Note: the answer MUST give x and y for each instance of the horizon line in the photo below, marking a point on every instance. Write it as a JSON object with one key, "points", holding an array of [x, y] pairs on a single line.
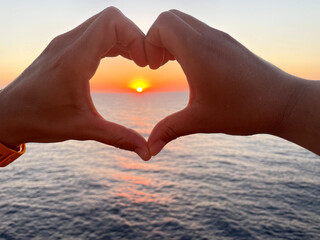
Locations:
{"points": [[134, 92]]}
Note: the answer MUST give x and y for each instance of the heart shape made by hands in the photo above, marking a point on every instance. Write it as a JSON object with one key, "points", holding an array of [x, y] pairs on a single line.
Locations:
{"points": [[55, 103]]}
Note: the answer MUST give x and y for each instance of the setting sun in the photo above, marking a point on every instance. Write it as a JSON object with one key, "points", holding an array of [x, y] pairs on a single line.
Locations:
{"points": [[139, 84], [139, 89]]}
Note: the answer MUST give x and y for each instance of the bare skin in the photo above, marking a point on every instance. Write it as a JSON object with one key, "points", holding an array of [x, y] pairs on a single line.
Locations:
{"points": [[232, 90], [51, 102]]}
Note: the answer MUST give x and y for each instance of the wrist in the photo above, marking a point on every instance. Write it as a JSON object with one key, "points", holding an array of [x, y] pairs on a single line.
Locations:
{"points": [[8, 136], [12, 144], [273, 100], [301, 119], [291, 98]]}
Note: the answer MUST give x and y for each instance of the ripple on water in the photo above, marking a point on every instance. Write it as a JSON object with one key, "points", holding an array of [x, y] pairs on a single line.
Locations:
{"points": [[199, 187]]}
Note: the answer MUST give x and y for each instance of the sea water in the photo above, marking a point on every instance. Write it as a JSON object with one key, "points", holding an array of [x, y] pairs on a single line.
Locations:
{"points": [[210, 186]]}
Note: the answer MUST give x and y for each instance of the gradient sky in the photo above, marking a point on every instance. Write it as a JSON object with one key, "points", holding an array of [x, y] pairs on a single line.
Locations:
{"points": [[286, 33]]}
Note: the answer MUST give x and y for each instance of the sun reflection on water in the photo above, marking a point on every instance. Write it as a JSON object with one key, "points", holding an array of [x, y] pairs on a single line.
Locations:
{"points": [[138, 188], [136, 180]]}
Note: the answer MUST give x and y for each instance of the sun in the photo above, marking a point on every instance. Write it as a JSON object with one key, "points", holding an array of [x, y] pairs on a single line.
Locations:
{"points": [[139, 84], [139, 89]]}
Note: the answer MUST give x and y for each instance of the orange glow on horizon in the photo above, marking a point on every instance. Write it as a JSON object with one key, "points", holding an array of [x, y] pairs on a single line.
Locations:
{"points": [[139, 84], [123, 76]]}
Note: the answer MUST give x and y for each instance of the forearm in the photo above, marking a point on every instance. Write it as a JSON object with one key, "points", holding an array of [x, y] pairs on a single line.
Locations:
{"points": [[301, 121]]}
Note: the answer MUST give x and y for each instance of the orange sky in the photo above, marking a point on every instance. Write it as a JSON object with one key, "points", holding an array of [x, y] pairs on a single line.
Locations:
{"points": [[118, 74]]}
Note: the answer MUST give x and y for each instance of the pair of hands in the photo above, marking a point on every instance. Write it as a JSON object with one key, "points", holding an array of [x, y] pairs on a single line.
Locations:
{"points": [[231, 90]]}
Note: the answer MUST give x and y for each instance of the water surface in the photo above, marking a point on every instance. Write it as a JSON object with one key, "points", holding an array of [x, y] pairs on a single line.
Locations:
{"points": [[199, 187]]}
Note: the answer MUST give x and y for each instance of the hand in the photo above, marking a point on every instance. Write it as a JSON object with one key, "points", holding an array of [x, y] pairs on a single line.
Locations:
{"points": [[51, 102], [232, 90]]}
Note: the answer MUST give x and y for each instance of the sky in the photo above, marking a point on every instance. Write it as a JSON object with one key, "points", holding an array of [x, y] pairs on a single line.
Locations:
{"points": [[285, 33]]}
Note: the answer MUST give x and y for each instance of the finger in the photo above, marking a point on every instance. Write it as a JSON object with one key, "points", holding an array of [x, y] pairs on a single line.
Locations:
{"points": [[171, 33], [108, 30], [160, 56], [118, 136], [168, 57], [155, 55], [115, 53], [174, 126], [125, 55]]}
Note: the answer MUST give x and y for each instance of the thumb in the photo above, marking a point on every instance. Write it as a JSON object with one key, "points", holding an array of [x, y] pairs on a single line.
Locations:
{"points": [[118, 136], [174, 126]]}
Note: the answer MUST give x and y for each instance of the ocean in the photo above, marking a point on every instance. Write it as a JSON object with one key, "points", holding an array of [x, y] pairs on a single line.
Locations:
{"points": [[203, 186]]}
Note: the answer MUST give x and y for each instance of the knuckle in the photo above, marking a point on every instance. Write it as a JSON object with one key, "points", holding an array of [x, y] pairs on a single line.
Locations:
{"points": [[169, 134], [111, 12], [227, 37], [56, 54], [57, 45], [175, 11], [56, 42], [164, 16], [111, 16], [61, 62], [121, 143], [164, 20]]}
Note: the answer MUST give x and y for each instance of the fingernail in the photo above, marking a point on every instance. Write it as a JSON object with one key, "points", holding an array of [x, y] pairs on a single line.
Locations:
{"points": [[156, 147], [143, 154]]}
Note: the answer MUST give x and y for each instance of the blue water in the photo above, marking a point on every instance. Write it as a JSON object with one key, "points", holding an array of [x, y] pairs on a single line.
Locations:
{"points": [[199, 187]]}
